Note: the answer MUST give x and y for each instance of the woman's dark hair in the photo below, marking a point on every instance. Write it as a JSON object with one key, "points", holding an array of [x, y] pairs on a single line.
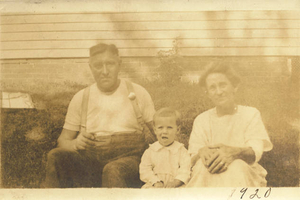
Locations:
{"points": [[232, 76]]}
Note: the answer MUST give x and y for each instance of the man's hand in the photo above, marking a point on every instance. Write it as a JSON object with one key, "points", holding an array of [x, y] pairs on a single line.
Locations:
{"points": [[206, 154], [222, 157], [174, 184], [158, 185], [84, 140]]}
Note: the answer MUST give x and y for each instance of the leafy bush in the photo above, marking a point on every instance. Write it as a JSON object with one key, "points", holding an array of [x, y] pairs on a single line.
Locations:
{"points": [[170, 69]]}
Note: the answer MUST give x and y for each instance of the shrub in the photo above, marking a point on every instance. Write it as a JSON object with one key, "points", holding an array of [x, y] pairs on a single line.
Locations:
{"points": [[170, 69]]}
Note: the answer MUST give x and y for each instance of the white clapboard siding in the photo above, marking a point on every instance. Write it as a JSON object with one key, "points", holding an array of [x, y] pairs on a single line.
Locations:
{"points": [[30, 18], [285, 51], [145, 52], [110, 35], [160, 43], [136, 26], [203, 33]]}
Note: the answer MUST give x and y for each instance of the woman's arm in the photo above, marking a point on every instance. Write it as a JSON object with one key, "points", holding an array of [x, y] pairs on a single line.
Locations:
{"points": [[194, 159], [225, 155], [205, 154], [198, 140]]}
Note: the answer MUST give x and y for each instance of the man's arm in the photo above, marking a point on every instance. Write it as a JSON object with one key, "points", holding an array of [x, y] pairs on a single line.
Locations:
{"points": [[69, 140], [150, 126], [151, 129]]}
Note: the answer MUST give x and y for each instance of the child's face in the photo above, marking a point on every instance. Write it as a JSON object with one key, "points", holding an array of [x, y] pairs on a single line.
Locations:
{"points": [[166, 130]]}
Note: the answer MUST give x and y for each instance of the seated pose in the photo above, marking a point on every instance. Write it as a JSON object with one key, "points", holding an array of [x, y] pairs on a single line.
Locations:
{"points": [[228, 140], [102, 140], [166, 163]]}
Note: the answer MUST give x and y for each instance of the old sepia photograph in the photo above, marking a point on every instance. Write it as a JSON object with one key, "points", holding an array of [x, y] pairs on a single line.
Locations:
{"points": [[150, 98]]}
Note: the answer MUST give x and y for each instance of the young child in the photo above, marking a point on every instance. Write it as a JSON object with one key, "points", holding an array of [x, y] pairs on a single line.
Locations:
{"points": [[166, 163]]}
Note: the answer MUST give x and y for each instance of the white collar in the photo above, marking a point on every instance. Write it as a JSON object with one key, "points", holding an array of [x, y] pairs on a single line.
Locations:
{"points": [[174, 148]]}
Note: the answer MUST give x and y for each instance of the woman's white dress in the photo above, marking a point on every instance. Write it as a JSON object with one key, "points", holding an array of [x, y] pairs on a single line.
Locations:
{"points": [[242, 129]]}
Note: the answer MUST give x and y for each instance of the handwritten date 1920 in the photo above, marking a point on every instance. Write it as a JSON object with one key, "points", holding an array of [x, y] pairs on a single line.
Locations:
{"points": [[255, 194]]}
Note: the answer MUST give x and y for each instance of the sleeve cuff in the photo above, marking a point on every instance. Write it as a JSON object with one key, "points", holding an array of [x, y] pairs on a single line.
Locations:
{"points": [[71, 127], [257, 147], [183, 177]]}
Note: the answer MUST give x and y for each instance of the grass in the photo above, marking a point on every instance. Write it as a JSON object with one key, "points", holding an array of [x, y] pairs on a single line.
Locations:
{"points": [[27, 135]]}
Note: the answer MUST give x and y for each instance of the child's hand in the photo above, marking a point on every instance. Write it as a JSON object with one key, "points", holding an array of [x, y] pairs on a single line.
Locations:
{"points": [[158, 185], [174, 184]]}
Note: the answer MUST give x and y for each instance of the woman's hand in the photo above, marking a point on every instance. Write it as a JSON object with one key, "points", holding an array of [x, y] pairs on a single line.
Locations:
{"points": [[206, 154], [225, 155], [222, 158], [84, 140]]}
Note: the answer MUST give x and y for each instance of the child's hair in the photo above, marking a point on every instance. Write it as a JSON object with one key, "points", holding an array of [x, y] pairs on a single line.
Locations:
{"points": [[168, 112]]}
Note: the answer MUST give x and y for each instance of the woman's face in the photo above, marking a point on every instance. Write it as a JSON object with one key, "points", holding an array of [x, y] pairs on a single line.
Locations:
{"points": [[220, 90]]}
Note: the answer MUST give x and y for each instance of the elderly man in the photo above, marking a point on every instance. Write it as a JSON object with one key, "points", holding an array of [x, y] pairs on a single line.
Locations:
{"points": [[102, 115]]}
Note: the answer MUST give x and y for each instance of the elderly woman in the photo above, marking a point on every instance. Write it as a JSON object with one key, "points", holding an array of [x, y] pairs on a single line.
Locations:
{"points": [[228, 140]]}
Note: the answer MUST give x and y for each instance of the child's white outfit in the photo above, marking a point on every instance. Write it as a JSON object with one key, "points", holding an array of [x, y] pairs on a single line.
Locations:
{"points": [[160, 163]]}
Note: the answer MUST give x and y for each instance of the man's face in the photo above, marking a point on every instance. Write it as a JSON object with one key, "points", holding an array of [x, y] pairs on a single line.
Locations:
{"points": [[166, 130], [105, 68], [220, 90]]}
